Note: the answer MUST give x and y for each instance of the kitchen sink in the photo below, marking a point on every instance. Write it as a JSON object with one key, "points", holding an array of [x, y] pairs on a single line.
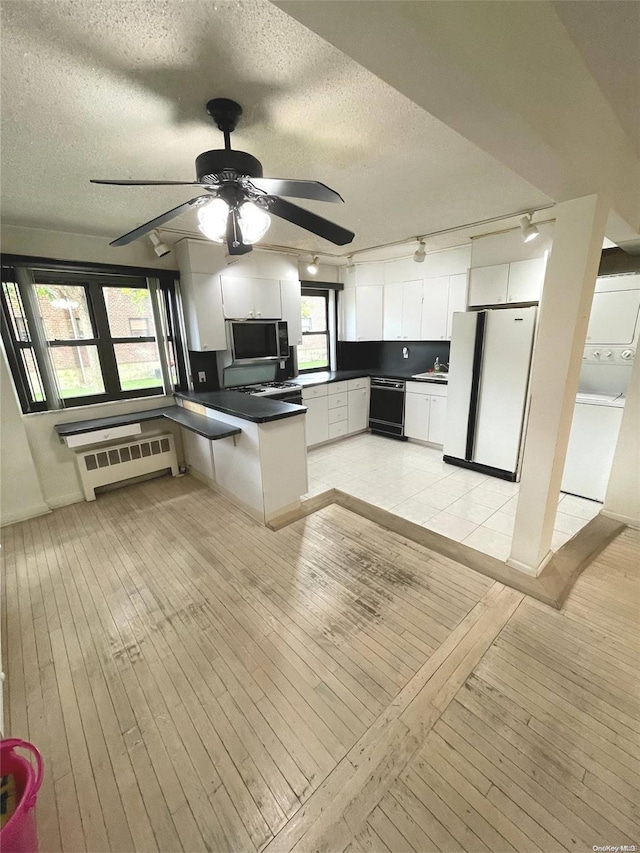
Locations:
{"points": [[436, 376]]}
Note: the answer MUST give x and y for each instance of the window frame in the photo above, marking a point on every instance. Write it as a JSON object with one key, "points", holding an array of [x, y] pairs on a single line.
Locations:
{"points": [[93, 279], [324, 292]]}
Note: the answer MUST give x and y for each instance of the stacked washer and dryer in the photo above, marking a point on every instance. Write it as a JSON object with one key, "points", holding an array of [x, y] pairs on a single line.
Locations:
{"points": [[612, 340]]}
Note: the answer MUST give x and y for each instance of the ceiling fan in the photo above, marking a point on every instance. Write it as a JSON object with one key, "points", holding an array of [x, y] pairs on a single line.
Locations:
{"points": [[238, 201]]}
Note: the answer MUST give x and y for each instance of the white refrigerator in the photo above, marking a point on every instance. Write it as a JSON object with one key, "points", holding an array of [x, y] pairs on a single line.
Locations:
{"points": [[489, 369]]}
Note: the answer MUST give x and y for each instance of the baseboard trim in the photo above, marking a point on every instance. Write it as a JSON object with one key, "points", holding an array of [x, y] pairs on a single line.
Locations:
{"points": [[24, 515], [623, 519]]}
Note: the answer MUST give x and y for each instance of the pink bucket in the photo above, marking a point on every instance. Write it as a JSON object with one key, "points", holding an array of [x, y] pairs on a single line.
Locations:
{"points": [[19, 834]]}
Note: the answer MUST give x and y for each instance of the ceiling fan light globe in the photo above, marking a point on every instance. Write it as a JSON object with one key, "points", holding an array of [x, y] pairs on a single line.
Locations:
{"points": [[212, 219], [254, 222]]}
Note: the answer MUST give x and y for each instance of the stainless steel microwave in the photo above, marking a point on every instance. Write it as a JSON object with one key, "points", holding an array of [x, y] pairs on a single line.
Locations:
{"points": [[257, 340]]}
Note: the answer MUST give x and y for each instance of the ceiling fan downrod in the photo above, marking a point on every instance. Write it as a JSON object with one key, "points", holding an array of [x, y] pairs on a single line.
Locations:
{"points": [[226, 114]]}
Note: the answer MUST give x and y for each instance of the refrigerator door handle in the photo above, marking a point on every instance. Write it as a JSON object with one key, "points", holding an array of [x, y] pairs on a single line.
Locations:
{"points": [[475, 385]]}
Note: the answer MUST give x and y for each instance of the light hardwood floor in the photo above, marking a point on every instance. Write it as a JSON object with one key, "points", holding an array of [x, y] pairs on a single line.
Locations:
{"points": [[198, 682]]}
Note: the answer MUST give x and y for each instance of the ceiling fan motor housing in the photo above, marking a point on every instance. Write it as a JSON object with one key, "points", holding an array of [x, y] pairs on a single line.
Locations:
{"points": [[211, 164]]}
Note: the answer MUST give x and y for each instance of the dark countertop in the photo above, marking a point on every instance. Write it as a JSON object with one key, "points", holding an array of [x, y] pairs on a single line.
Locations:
{"points": [[260, 410], [207, 427], [309, 379]]}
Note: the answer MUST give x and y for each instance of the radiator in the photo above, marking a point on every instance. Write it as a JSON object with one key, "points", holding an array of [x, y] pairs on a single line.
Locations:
{"points": [[116, 462]]}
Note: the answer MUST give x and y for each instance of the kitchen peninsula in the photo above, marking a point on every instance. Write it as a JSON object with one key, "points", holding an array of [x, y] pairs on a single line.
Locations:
{"points": [[253, 453]]}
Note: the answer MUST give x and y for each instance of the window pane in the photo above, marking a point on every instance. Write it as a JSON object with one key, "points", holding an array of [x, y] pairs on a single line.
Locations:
{"points": [[138, 366], [314, 313], [77, 370], [32, 373], [313, 352], [17, 317], [64, 311], [129, 312]]}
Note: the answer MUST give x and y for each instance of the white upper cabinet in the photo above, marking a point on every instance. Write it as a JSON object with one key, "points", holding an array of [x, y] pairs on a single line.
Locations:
{"points": [[392, 327], [526, 279], [402, 311], [361, 313], [251, 298], [457, 299], [411, 310], [292, 309], [614, 316], [369, 313], [434, 308], [488, 285], [202, 305]]}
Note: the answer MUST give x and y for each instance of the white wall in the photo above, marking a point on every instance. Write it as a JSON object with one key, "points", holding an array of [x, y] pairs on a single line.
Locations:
{"points": [[20, 493], [623, 493], [62, 245], [38, 471]]}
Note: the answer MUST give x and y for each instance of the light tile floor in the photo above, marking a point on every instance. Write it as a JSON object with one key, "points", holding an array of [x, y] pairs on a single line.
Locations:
{"points": [[412, 481]]}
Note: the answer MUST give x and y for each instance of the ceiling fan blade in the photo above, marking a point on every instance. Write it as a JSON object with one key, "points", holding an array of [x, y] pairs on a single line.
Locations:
{"points": [[155, 223], [310, 221], [297, 189], [235, 244], [152, 183]]}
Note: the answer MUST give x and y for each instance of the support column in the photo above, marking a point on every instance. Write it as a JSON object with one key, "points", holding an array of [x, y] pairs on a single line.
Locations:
{"points": [[623, 492], [562, 328]]}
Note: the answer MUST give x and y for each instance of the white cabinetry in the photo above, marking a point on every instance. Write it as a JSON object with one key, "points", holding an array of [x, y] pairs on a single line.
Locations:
{"points": [[402, 311], [251, 298], [519, 281], [457, 299], [336, 409], [362, 313], [361, 302], [434, 309], [202, 304], [526, 279], [358, 395], [614, 316], [488, 285], [317, 420], [425, 412], [291, 310]]}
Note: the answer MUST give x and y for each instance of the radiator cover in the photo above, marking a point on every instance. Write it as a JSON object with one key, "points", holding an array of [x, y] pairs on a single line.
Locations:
{"points": [[117, 462]]}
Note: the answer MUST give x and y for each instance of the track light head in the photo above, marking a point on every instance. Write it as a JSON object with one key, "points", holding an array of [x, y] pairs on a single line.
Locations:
{"points": [[420, 253], [312, 268], [529, 230], [161, 249]]}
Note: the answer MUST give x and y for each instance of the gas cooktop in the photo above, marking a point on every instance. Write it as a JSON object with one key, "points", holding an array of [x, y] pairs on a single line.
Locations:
{"points": [[268, 389]]}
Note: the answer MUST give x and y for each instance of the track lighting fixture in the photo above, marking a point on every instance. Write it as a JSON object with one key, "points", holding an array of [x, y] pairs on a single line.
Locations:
{"points": [[161, 249], [312, 268], [529, 230], [420, 253]]}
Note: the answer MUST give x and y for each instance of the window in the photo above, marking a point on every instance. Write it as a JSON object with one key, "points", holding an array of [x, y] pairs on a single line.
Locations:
{"points": [[95, 336], [313, 353]]}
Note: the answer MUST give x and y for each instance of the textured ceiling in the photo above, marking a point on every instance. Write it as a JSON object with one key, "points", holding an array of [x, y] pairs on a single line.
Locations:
{"points": [[100, 89], [607, 34]]}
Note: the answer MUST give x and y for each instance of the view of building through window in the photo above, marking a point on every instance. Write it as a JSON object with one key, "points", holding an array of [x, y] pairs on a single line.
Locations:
{"points": [[66, 319], [313, 353]]}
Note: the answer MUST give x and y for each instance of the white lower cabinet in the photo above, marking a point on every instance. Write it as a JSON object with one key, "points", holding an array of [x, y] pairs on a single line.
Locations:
{"points": [[416, 416], [358, 409], [317, 420], [425, 408], [437, 419], [336, 409]]}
